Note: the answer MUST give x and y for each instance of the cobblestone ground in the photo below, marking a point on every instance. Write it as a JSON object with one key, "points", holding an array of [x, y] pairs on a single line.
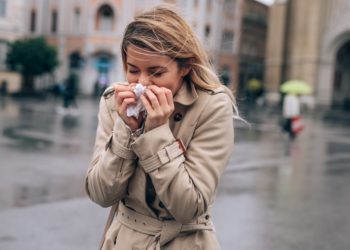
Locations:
{"points": [[275, 194]]}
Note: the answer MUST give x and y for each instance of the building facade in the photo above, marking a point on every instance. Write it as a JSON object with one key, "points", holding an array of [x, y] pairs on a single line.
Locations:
{"points": [[11, 25], [253, 43], [88, 35], [310, 41], [229, 42], [11, 28], [242, 42]]}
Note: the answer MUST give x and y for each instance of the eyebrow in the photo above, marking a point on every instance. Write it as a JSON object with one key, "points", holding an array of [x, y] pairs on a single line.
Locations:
{"points": [[152, 67]]}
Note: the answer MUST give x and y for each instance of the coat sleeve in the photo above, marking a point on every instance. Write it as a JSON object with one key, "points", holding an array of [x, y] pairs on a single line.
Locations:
{"points": [[186, 184], [113, 162]]}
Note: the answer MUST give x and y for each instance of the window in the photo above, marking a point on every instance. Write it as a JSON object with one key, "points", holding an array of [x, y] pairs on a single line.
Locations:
{"points": [[76, 20], [105, 18], [54, 16], [227, 41], [103, 65], [249, 48], [103, 62], [32, 21], [75, 60], [2, 8]]}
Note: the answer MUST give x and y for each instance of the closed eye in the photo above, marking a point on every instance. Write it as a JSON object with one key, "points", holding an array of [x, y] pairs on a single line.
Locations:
{"points": [[157, 74]]}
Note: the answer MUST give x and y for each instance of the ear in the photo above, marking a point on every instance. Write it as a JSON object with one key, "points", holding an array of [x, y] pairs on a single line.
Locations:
{"points": [[185, 70]]}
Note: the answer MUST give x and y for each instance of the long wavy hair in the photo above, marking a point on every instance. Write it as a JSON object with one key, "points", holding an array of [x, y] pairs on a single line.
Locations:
{"points": [[163, 31]]}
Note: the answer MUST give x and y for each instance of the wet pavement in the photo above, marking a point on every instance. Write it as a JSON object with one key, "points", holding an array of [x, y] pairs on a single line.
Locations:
{"points": [[275, 194]]}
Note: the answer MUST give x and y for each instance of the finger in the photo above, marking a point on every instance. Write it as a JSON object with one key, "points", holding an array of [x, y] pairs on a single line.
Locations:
{"points": [[126, 94], [120, 96], [160, 93], [146, 103], [170, 98], [132, 86], [152, 99], [122, 87], [126, 102]]}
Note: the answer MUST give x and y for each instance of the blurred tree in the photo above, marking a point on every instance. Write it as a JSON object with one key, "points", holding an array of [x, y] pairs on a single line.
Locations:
{"points": [[31, 57]]}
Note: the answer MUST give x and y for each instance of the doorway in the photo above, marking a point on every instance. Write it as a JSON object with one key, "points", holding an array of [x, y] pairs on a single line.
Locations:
{"points": [[341, 83]]}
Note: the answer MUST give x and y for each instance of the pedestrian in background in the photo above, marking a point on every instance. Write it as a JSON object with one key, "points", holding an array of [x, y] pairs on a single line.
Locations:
{"points": [[57, 90], [292, 122], [160, 170], [70, 92], [3, 88]]}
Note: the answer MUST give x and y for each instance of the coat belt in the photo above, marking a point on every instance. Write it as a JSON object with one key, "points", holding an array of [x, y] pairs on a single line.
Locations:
{"points": [[162, 230]]}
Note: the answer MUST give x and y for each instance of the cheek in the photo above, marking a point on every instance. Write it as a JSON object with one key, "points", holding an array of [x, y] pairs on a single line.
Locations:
{"points": [[172, 82], [131, 78], [166, 83], [172, 85]]}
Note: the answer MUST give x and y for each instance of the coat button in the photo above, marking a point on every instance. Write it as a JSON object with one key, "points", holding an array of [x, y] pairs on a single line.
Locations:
{"points": [[207, 217], [178, 117]]}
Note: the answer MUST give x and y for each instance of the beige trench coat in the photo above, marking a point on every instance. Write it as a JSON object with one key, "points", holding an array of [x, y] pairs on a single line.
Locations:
{"points": [[152, 177]]}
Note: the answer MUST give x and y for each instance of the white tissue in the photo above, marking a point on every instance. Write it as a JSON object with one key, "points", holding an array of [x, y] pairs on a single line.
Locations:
{"points": [[134, 110]]}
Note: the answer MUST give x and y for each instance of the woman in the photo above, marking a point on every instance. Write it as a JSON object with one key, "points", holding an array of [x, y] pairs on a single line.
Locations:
{"points": [[163, 167]]}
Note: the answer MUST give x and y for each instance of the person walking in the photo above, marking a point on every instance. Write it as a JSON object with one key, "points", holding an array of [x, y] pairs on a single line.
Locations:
{"points": [[70, 92], [291, 115], [159, 170]]}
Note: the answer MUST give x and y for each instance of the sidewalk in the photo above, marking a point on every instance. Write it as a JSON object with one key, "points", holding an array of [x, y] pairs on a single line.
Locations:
{"points": [[69, 225], [77, 224], [274, 195]]}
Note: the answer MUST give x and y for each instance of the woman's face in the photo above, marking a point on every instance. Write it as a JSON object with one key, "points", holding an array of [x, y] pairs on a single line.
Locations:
{"points": [[149, 68]]}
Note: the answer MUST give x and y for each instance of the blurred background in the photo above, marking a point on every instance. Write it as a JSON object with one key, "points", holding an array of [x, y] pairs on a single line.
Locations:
{"points": [[281, 190]]}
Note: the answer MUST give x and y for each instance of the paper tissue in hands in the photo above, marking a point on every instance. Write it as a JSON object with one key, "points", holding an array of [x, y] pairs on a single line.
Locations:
{"points": [[134, 110]]}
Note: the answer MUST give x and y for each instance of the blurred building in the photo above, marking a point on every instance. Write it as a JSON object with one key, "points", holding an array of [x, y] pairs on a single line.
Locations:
{"points": [[253, 43], [88, 33], [229, 39], [11, 28], [310, 40]]}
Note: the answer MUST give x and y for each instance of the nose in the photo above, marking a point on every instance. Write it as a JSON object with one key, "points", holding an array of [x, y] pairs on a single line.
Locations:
{"points": [[145, 79]]}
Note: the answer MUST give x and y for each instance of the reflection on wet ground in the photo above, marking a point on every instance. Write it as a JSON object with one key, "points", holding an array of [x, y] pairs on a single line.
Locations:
{"points": [[287, 195], [43, 154], [280, 191]]}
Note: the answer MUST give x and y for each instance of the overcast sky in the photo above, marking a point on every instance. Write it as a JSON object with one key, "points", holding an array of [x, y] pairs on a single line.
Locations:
{"points": [[266, 1]]}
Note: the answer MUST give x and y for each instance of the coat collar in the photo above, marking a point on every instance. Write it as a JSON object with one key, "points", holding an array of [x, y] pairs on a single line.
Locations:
{"points": [[187, 94]]}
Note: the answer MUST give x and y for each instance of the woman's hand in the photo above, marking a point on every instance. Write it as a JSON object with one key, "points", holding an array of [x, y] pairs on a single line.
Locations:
{"points": [[159, 104], [124, 96]]}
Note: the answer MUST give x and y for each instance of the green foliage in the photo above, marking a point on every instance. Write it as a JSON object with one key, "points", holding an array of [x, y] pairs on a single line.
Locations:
{"points": [[32, 57]]}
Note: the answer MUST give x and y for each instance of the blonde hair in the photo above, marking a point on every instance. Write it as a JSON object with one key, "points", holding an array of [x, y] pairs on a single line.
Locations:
{"points": [[163, 31]]}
